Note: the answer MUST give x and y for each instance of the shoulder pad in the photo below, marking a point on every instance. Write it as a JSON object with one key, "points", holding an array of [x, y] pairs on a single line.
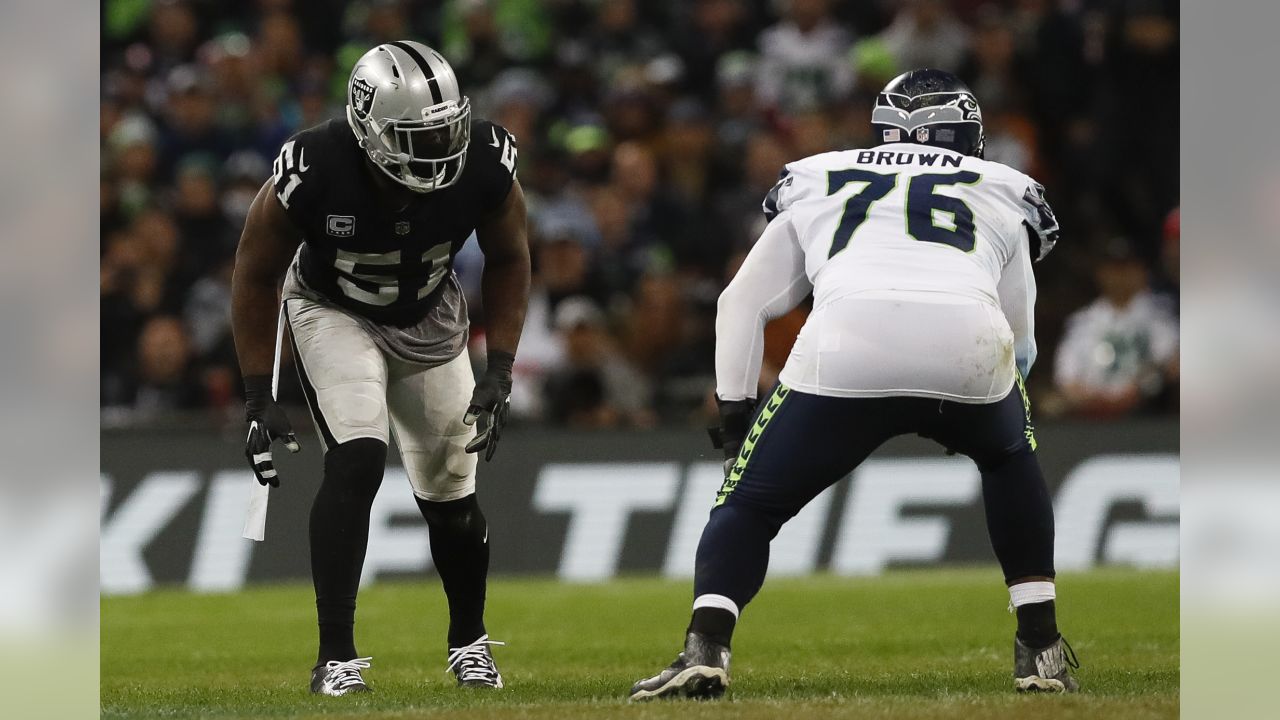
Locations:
{"points": [[289, 170], [775, 202], [1040, 222], [499, 145]]}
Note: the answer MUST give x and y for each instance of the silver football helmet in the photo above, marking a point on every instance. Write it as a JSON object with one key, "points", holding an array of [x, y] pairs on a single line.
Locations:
{"points": [[405, 108]]}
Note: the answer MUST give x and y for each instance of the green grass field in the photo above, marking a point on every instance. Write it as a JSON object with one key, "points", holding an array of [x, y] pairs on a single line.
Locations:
{"points": [[926, 644]]}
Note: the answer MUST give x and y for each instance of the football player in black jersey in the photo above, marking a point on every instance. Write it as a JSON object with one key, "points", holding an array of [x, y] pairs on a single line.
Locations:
{"points": [[362, 231]]}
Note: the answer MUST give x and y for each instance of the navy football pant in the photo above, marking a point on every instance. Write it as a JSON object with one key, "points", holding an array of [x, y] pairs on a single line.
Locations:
{"points": [[800, 444]]}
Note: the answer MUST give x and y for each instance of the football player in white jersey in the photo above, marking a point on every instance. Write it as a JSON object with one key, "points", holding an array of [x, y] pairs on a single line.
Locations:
{"points": [[918, 254]]}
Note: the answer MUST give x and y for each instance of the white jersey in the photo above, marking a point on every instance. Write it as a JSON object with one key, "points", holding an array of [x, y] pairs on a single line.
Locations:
{"points": [[919, 260]]}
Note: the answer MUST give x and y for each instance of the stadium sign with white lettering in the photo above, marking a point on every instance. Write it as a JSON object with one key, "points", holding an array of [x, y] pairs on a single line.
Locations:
{"points": [[587, 506]]}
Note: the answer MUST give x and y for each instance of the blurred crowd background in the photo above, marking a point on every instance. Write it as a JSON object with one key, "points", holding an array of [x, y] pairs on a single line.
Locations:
{"points": [[649, 134]]}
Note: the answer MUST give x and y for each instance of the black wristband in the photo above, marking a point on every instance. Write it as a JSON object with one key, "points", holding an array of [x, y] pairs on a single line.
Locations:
{"points": [[257, 393], [735, 415], [498, 363], [257, 385]]}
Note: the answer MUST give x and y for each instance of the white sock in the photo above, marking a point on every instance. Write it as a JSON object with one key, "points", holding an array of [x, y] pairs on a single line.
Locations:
{"points": [[716, 601], [1031, 592]]}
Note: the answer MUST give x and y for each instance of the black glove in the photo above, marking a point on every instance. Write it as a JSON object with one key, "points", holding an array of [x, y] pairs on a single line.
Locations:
{"points": [[267, 422], [490, 403], [735, 422]]}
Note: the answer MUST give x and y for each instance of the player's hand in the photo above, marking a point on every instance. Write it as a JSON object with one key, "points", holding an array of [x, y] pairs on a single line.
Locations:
{"points": [[735, 421], [267, 423], [490, 404]]}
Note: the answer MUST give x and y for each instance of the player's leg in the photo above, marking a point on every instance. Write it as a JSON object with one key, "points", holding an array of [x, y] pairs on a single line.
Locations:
{"points": [[427, 407], [799, 445], [344, 378], [1000, 438]]}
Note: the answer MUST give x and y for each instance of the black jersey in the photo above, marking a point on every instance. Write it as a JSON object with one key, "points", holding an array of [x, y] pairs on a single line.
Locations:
{"points": [[362, 252]]}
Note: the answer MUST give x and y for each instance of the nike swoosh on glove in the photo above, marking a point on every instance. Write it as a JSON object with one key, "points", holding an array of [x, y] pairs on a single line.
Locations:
{"points": [[267, 423], [490, 404]]}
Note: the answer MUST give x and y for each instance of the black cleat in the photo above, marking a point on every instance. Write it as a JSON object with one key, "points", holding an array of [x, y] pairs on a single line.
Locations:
{"points": [[700, 672], [473, 664], [1045, 670], [336, 678]]}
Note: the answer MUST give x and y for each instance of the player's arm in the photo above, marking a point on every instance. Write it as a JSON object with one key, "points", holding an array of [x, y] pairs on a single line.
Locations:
{"points": [[266, 248], [1017, 291], [770, 283], [504, 288]]}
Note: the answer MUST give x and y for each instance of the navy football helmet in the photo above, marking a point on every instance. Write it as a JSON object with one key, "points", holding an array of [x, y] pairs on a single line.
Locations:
{"points": [[930, 107]]}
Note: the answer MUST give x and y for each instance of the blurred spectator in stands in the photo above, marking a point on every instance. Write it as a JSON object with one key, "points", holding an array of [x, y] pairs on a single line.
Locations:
{"points": [[652, 330], [803, 59], [235, 80], [207, 237], [173, 32], [925, 34], [632, 110], [738, 208], [713, 28], [563, 256], [556, 203], [157, 287], [1120, 352], [589, 150], [812, 133], [243, 175], [191, 114], [130, 154], [620, 37], [596, 387], [659, 222], [735, 115], [207, 313], [516, 100], [686, 150], [990, 68], [488, 35], [165, 380], [1142, 48]]}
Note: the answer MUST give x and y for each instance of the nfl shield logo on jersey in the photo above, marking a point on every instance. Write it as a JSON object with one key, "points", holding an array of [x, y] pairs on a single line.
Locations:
{"points": [[402, 227], [922, 135]]}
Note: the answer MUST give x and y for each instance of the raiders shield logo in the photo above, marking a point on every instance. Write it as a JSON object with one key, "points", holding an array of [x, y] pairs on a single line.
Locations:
{"points": [[362, 93], [922, 135], [402, 227]]}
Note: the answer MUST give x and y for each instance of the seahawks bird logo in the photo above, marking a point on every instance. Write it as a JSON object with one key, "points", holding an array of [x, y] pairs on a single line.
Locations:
{"points": [[362, 92]]}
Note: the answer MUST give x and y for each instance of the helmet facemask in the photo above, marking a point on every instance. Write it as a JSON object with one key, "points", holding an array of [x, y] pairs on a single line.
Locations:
{"points": [[422, 155]]}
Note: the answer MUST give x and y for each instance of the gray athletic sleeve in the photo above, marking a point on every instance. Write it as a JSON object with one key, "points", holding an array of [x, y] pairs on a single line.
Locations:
{"points": [[770, 282]]}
